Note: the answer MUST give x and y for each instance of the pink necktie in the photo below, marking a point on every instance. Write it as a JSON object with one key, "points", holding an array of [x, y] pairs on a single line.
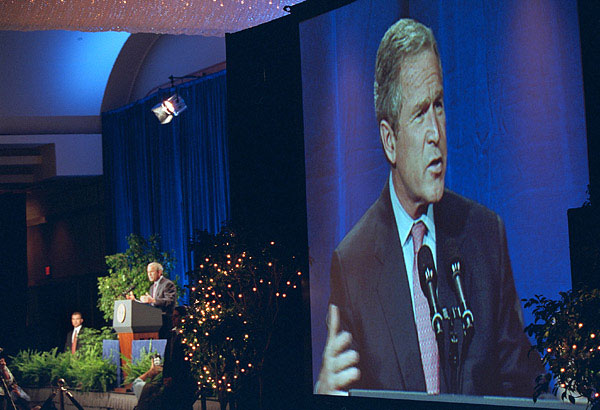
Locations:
{"points": [[427, 342]]}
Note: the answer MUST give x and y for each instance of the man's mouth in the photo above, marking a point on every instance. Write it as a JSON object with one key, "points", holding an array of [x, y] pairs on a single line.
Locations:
{"points": [[436, 165]]}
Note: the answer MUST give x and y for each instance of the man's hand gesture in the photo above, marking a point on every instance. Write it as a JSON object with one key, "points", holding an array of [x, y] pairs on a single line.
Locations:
{"points": [[338, 369]]}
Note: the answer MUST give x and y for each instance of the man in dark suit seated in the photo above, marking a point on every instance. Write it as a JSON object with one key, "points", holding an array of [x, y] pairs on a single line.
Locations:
{"points": [[380, 333]]}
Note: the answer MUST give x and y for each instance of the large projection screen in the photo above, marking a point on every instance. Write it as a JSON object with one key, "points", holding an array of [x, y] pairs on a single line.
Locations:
{"points": [[514, 118]]}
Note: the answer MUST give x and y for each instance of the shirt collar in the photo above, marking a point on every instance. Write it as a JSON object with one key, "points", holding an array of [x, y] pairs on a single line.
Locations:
{"points": [[404, 221], [77, 329]]}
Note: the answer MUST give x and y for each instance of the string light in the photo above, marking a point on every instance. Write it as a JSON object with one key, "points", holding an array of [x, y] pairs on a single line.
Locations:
{"points": [[242, 292]]}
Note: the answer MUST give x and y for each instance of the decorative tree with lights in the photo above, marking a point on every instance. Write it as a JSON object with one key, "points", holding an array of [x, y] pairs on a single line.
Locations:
{"points": [[236, 288], [567, 335]]}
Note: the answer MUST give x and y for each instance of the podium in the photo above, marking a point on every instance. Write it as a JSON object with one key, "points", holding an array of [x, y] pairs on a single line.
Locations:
{"points": [[133, 320]]}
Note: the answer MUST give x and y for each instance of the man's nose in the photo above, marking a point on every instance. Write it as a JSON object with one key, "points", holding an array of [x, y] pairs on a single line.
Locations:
{"points": [[433, 127]]}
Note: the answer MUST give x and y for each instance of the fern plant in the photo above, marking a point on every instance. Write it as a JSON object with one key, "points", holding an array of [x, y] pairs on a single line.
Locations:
{"points": [[91, 372], [86, 370], [35, 368]]}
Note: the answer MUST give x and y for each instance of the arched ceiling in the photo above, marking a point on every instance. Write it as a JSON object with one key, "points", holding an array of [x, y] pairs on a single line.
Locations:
{"points": [[191, 17]]}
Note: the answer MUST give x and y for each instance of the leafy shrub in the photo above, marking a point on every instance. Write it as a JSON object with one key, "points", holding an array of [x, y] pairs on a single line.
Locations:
{"points": [[90, 338], [566, 334]]}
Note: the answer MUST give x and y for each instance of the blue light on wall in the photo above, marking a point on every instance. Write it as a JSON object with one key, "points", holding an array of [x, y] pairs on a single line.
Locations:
{"points": [[53, 73]]}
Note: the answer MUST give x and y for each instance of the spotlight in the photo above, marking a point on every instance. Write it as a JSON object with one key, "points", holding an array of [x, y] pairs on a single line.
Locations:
{"points": [[169, 108]]}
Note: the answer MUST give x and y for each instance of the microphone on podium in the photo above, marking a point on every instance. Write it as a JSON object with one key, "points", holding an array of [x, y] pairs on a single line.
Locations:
{"points": [[455, 274], [428, 279], [131, 288]]}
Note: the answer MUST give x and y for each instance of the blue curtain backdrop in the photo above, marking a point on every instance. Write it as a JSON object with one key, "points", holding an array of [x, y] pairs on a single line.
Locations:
{"points": [[515, 127], [168, 179]]}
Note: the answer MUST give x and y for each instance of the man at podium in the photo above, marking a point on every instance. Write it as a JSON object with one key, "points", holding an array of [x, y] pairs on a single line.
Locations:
{"points": [[162, 294]]}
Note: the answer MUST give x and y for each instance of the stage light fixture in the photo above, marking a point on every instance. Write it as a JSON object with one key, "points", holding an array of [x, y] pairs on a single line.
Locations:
{"points": [[174, 105], [169, 108]]}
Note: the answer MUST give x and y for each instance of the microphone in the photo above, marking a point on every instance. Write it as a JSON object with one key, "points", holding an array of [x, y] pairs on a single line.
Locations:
{"points": [[131, 288], [454, 277], [428, 279]]}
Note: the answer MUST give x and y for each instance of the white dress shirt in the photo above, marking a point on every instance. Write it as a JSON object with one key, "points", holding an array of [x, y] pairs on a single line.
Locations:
{"points": [[75, 333]]}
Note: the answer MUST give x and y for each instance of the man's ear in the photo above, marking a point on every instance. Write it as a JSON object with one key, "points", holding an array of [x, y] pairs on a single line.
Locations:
{"points": [[388, 141]]}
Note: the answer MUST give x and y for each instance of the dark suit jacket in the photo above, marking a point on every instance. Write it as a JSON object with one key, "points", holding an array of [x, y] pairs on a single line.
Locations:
{"points": [[166, 299], [68, 341], [369, 285], [166, 295]]}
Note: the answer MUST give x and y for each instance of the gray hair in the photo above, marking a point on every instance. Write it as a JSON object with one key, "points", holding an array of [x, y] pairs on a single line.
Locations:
{"points": [[404, 38], [156, 265]]}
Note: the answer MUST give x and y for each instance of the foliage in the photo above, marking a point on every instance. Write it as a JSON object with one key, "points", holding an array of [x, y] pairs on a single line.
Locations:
{"points": [[136, 368], [567, 335], [89, 371], [86, 370], [34, 368], [90, 338], [129, 269], [235, 294]]}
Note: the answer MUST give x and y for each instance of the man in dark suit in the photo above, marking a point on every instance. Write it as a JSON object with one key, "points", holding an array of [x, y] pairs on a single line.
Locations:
{"points": [[72, 342], [379, 325], [162, 294]]}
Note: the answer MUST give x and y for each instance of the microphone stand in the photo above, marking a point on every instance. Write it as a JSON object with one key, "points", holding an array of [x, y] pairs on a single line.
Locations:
{"points": [[468, 332], [453, 355]]}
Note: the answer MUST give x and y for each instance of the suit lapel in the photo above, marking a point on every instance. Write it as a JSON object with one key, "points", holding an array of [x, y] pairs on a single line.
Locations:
{"points": [[395, 300]]}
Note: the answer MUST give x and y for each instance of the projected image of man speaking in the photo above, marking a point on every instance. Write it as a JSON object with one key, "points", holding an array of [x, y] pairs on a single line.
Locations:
{"points": [[422, 252]]}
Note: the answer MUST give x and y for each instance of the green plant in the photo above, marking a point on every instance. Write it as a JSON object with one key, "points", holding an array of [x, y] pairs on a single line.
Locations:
{"points": [[567, 335], [89, 371], [90, 338], [86, 370], [35, 368], [138, 367], [129, 269]]}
